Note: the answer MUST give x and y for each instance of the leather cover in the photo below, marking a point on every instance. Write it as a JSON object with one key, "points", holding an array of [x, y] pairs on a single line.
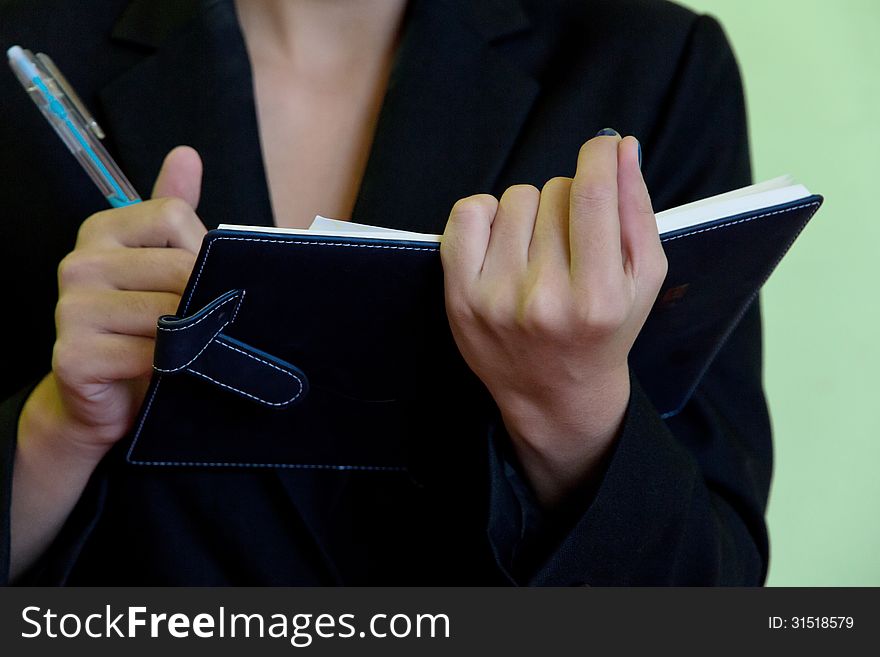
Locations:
{"points": [[303, 352], [715, 272], [330, 352]]}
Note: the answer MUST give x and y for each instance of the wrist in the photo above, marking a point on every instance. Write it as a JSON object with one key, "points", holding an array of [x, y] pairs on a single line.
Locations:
{"points": [[53, 462], [562, 442], [45, 428]]}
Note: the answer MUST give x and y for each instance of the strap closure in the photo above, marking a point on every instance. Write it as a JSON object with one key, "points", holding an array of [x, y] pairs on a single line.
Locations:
{"points": [[196, 345]]}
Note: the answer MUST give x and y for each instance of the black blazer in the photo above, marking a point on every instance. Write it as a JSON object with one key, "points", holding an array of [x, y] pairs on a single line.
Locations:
{"points": [[482, 95]]}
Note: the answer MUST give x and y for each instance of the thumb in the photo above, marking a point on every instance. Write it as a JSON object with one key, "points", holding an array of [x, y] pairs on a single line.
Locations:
{"points": [[180, 176]]}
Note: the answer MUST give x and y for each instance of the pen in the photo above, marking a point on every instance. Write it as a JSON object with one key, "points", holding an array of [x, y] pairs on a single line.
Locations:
{"points": [[77, 128]]}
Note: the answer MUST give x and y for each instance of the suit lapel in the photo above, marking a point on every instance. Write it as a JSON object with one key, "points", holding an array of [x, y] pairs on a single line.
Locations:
{"points": [[195, 89], [451, 115]]}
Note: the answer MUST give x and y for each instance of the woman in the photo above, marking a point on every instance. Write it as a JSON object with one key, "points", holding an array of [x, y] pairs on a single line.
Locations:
{"points": [[390, 113]]}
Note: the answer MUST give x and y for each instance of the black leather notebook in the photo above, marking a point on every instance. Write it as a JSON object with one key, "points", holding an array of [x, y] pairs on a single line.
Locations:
{"points": [[329, 350]]}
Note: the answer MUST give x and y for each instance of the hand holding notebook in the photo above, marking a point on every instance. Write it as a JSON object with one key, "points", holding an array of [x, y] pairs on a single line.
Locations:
{"points": [[546, 292], [274, 366]]}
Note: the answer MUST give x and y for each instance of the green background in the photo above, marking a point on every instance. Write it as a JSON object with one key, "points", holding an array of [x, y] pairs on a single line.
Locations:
{"points": [[812, 76]]}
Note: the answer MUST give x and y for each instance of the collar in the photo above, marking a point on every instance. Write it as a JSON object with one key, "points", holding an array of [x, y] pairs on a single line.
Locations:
{"points": [[451, 116], [149, 23]]}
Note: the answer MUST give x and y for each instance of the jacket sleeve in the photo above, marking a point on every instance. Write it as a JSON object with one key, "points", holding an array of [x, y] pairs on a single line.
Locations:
{"points": [[10, 409], [682, 500]]}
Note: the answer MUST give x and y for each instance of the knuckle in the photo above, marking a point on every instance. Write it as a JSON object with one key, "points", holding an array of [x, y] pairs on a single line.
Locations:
{"points": [[73, 310], [174, 207], [174, 214], [496, 318], [491, 308], [61, 313], [67, 361], [602, 314], [93, 226], [74, 267], [68, 310], [458, 309], [591, 194], [542, 314]]}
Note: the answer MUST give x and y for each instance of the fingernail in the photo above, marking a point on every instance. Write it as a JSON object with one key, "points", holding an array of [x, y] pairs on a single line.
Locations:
{"points": [[608, 132], [640, 152]]}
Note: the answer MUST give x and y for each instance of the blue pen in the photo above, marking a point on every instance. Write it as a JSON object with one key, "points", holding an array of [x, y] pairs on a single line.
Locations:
{"points": [[71, 120]]}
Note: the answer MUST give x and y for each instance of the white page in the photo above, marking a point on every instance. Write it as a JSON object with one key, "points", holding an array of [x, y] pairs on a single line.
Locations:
{"points": [[321, 226], [335, 226], [762, 195]]}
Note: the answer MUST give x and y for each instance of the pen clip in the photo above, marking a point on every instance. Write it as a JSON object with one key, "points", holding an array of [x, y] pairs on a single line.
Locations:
{"points": [[64, 87], [74, 124]]}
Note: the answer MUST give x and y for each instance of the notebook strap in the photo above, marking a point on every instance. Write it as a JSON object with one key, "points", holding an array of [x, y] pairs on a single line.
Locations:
{"points": [[197, 345]]}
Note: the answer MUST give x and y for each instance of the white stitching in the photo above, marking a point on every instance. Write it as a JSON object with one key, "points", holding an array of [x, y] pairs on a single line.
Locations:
{"points": [[298, 466], [375, 467], [237, 307], [213, 337], [220, 464], [259, 360], [742, 221], [247, 394], [294, 243], [137, 433], [236, 298], [194, 358]]}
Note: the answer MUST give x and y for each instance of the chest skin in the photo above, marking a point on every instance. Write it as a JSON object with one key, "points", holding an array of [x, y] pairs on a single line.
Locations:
{"points": [[316, 127], [315, 144]]}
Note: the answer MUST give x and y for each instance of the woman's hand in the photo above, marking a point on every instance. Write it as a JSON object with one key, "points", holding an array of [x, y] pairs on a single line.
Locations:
{"points": [[546, 292], [129, 266]]}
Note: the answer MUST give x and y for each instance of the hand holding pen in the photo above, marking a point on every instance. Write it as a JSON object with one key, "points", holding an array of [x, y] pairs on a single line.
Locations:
{"points": [[129, 266]]}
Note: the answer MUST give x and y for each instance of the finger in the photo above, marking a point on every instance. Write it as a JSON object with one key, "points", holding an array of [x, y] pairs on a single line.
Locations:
{"points": [[466, 238], [594, 226], [180, 176], [550, 238], [113, 311], [102, 358], [148, 269], [638, 225], [165, 222], [512, 228]]}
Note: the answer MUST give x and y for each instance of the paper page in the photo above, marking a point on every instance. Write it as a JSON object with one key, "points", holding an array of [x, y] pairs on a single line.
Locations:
{"points": [[334, 226], [728, 205], [762, 195]]}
